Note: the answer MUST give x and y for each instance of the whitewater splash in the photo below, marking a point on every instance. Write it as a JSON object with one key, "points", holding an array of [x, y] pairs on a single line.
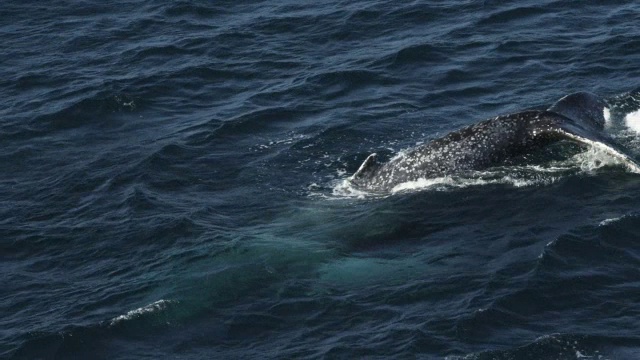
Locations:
{"points": [[152, 308], [632, 121]]}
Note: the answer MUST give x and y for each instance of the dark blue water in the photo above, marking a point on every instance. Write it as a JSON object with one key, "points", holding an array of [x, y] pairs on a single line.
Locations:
{"points": [[172, 182]]}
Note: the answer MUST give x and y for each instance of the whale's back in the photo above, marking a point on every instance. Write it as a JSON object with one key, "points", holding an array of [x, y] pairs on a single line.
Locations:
{"points": [[577, 117], [582, 108]]}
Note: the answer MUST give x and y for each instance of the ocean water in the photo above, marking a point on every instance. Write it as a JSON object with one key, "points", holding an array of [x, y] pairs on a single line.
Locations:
{"points": [[173, 182]]}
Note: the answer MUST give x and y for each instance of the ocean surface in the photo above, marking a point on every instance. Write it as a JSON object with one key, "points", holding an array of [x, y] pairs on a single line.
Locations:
{"points": [[173, 181]]}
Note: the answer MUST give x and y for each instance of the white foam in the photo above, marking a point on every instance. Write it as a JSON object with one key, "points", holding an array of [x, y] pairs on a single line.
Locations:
{"points": [[490, 177], [632, 121], [148, 309], [610, 221], [422, 184], [345, 189], [438, 183], [600, 154], [286, 141]]}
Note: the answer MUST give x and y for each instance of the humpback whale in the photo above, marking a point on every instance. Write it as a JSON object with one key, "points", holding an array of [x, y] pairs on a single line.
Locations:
{"points": [[578, 117]]}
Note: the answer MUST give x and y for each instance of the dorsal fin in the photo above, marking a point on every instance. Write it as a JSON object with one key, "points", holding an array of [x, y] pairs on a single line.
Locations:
{"points": [[368, 167], [581, 107]]}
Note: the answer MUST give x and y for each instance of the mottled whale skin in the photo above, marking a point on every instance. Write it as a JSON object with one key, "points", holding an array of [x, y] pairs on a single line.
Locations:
{"points": [[578, 117]]}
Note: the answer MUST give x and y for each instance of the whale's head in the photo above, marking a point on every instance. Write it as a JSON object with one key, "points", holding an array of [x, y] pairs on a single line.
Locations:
{"points": [[583, 108]]}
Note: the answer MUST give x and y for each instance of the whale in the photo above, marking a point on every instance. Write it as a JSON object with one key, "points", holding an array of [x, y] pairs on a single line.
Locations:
{"points": [[577, 117]]}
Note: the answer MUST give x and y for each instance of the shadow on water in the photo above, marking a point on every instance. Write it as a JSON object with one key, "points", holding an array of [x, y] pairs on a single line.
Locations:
{"points": [[325, 260]]}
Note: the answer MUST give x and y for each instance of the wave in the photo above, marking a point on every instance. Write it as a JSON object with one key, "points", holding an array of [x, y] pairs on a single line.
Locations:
{"points": [[84, 341], [555, 346], [519, 14], [101, 111], [143, 312]]}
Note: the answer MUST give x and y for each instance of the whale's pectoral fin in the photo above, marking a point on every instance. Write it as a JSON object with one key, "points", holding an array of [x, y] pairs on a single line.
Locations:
{"points": [[367, 168], [600, 143]]}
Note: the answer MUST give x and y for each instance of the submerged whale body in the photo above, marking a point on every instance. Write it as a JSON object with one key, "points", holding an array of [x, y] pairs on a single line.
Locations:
{"points": [[577, 117]]}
